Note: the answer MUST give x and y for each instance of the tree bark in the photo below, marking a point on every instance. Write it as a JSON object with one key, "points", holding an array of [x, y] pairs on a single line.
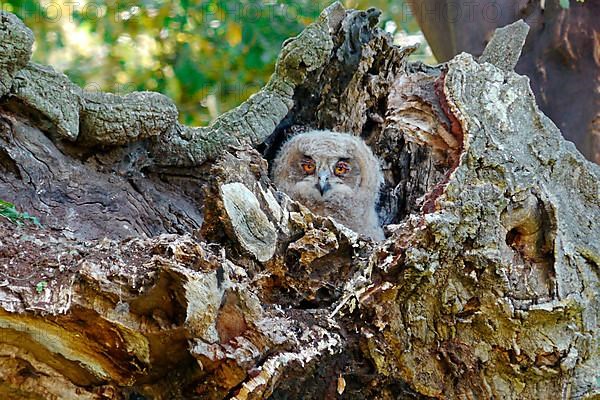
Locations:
{"points": [[560, 55], [169, 267]]}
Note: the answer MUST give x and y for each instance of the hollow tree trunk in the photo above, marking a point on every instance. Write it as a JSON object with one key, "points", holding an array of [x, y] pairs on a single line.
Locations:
{"points": [[168, 266]]}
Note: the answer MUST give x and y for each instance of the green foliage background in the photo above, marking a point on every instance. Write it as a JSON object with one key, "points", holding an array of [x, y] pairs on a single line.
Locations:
{"points": [[208, 56]]}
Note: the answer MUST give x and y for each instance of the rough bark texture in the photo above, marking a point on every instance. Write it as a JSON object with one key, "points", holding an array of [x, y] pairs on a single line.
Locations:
{"points": [[168, 265], [561, 55]]}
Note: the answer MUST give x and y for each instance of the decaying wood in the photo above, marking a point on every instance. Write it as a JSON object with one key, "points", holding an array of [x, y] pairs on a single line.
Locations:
{"points": [[169, 266], [560, 55]]}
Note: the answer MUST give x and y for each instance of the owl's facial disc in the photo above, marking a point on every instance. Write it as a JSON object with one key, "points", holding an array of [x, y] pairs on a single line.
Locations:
{"points": [[326, 173], [309, 167]]}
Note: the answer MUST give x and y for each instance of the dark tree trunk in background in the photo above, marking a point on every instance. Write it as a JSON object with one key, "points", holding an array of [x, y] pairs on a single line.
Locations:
{"points": [[561, 55], [169, 266]]}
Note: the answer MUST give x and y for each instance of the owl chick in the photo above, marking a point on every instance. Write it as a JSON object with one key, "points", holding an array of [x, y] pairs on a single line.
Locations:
{"points": [[333, 174]]}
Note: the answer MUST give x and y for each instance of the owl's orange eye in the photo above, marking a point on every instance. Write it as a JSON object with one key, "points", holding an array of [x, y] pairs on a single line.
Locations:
{"points": [[341, 168], [308, 166]]}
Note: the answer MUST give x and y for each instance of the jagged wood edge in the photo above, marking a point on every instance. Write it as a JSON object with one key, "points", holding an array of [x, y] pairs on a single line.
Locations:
{"points": [[93, 118], [516, 174]]}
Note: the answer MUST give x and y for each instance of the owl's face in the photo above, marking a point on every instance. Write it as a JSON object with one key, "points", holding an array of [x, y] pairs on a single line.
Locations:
{"points": [[327, 170], [324, 177], [335, 175]]}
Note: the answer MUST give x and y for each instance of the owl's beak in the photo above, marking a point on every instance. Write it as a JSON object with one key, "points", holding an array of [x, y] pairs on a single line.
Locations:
{"points": [[323, 184]]}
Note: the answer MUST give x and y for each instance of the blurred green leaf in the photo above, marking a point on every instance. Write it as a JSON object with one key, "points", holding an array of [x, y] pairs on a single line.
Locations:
{"points": [[41, 285], [9, 211]]}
